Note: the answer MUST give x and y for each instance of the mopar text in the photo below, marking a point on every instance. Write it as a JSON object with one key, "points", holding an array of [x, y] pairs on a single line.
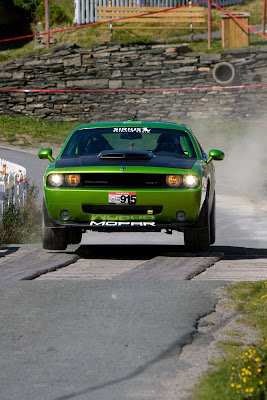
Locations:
{"points": [[121, 223]]}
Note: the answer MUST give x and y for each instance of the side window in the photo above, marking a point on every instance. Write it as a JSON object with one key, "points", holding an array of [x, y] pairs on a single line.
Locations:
{"points": [[202, 152], [187, 146], [77, 144], [183, 145]]}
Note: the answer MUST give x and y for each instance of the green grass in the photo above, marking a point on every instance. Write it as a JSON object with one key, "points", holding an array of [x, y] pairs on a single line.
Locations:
{"points": [[234, 333], [67, 5], [253, 7], [241, 374], [29, 131], [25, 50]]}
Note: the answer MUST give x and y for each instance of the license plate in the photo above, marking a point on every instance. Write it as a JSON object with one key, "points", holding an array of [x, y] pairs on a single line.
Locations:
{"points": [[122, 198]]}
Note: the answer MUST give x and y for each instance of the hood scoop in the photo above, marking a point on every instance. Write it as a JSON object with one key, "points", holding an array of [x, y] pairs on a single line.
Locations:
{"points": [[126, 155]]}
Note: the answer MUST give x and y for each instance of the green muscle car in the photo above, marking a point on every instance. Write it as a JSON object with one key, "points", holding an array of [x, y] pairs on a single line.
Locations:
{"points": [[129, 176]]}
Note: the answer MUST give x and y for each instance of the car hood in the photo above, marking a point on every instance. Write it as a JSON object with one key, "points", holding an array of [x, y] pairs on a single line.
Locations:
{"points": [[94, 160]]}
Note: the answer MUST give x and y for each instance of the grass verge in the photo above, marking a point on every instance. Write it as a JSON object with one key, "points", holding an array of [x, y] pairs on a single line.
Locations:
{"points": [[241, 374], [28, 131], [22, 225]]}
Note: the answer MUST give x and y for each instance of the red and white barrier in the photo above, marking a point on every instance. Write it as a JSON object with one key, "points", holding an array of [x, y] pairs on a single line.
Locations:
{"points": [[12, 187]]}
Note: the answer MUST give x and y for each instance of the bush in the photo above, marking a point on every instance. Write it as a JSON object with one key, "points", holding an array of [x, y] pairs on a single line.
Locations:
{"points": [[57, 15], [22, 225]]}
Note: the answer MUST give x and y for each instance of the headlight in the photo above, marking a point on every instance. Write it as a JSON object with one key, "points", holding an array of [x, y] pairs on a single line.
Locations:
{"points": [[55, 180], [72, 179], [190, 181], [173, 180]]}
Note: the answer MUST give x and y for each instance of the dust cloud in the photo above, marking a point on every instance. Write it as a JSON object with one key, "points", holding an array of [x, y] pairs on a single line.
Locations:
{"points": [[244, 169]]}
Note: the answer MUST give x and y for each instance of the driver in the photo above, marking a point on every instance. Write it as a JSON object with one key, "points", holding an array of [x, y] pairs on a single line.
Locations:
{"points": [[97, 143], [169, 143]]}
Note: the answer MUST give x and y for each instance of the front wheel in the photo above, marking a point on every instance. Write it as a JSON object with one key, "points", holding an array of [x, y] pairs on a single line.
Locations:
{"points": [[53, 238], [199, 239], [75, 236], [212, 223]]}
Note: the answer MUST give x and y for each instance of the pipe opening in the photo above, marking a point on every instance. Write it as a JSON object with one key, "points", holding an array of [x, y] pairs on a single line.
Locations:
{"points": [[224, 73]]}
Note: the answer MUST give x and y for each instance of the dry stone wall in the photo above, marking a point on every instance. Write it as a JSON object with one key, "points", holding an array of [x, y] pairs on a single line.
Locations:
{"points": [[122, 71]]}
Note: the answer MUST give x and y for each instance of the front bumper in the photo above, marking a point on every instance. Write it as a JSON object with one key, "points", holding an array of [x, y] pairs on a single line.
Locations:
{"points": [[126, 226], [169, 201]]}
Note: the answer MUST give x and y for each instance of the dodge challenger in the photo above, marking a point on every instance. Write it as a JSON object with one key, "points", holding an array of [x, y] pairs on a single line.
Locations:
{"points": [[129, 176]]}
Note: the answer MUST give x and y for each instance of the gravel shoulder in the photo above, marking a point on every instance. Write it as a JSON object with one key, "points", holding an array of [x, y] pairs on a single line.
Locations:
{"points": [[195, 358]]}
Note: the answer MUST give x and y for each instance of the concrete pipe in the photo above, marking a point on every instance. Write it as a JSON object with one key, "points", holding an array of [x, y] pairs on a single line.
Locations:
{"points": [[224, 73]]}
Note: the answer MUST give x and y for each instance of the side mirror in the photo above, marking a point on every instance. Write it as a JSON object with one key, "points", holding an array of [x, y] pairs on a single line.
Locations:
{"points": [[217, 155], [46, 154]]}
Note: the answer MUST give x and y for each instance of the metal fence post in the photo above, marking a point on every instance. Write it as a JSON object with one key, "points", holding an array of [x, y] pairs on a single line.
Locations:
{"points": [[21, 194], [16, 187], [264, 17], [9, 191], [209, 24], [110, 25], [2, 198], [191, 23], [47, 23]]}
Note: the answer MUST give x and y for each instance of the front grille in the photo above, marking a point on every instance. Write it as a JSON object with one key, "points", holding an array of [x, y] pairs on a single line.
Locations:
{"points": [[121, 210], [122, 180]]}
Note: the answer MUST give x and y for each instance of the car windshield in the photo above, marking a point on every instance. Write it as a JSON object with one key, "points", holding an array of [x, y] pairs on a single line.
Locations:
{"points": [[167, 142]]}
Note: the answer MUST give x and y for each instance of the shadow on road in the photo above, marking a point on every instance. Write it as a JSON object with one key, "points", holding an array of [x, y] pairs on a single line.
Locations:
{"points": [[240, 253], [173, 350], [147, 252], [7, 250]]}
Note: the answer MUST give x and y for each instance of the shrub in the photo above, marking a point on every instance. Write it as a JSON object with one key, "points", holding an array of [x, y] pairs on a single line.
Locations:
{"points": [[57, 15], [22, 225]]}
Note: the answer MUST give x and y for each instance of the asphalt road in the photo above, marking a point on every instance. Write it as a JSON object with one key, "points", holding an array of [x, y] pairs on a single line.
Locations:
{"points": [[118, 338], [108, 340]]}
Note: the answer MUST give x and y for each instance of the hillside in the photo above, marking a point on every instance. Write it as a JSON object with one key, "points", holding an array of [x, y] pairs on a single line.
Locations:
{"points": [[88, 36]]}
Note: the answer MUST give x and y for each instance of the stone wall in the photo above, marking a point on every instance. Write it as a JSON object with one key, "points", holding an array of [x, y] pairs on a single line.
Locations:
{"points": [[122, 72]]}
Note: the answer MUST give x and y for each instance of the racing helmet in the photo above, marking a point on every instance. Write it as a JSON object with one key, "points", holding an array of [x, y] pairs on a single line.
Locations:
{"points": [[170, 143], [97, 143]]}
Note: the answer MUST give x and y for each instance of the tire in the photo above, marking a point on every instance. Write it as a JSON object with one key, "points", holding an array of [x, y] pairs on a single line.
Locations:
{"points": [[199, 239], [53, 238], [75, 236], [213, 222]]}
